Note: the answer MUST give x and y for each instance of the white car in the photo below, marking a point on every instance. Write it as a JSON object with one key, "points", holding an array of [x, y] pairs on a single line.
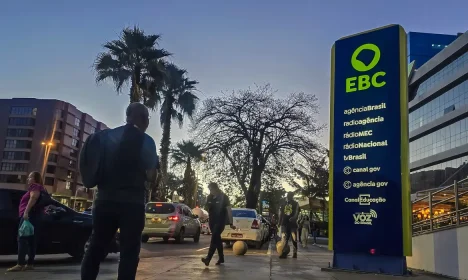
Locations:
{"points": [[249, 228]]}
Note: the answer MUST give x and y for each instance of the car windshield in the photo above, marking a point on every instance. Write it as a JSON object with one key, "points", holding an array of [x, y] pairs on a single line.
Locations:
{"points": [[160, 208], [237, 213]]}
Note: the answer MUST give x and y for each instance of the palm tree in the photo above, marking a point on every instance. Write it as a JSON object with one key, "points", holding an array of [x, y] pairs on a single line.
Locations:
{"points": [[134, 58], [177, 101], [187, 153]]}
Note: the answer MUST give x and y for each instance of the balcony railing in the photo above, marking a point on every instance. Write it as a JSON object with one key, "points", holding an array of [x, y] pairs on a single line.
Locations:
{"points": [[441, 209]]}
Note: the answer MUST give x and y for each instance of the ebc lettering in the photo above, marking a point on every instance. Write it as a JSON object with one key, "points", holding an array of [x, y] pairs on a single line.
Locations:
{"points": [[364, 82]]}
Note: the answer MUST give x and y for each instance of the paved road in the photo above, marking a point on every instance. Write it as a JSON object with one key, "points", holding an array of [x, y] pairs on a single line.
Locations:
{"points": [[154, 248]]}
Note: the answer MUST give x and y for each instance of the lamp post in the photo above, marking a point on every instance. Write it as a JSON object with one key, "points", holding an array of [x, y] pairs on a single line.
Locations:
{"points": [[47, 146]]}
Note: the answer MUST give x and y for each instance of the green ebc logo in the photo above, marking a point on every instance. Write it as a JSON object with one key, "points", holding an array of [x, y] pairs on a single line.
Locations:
{"points": [[364, 82]]}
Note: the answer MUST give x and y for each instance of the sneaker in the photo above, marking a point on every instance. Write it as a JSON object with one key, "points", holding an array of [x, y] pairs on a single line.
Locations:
{"points": [[220, 261], [16, 268], [294, 255], [29, 267]]}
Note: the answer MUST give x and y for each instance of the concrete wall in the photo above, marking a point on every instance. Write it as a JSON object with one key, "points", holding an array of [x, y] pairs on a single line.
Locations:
{"points": [[443, 252]]}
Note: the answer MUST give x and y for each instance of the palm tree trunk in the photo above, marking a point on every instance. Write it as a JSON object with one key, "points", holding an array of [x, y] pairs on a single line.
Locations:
{"points": [[134, 95], [165, 144]]}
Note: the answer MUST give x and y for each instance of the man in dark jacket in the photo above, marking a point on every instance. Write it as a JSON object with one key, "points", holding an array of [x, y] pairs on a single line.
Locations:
{"points": [[288, 221], [219, 210], [129, 160]]}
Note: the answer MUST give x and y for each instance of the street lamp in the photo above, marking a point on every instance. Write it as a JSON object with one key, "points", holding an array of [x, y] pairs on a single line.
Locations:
{"points": [[48, 145]]}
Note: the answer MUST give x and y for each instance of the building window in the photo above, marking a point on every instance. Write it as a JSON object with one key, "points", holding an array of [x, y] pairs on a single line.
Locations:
{"points": [[73, 153], [58, 113], [49, 181], [57, 135], [77, 121], [59, 125], [75, 143], [20, 132], [72, 163], [434, 109], [22, 121], [92, 130], [68, 185], [23, 111], [13, 179], [53, 158], [76, 132], [442, 74], [444, 139], [18, 144], [51, 169], [10, 166], [70, 174], [16, 155]]}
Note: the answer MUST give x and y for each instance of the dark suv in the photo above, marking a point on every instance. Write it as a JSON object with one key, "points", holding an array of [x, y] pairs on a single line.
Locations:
{"points": [[63, 230]]}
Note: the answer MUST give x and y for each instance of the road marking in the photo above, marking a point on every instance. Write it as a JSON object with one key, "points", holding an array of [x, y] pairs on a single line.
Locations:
{"points": [[202, 249]]}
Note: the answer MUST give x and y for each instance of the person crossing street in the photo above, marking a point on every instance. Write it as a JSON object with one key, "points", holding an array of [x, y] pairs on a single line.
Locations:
{"points": [[288, 220]]}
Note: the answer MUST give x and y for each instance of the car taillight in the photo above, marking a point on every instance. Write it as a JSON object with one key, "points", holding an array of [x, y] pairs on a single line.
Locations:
{"points": [[173, 218], [255, 224]]}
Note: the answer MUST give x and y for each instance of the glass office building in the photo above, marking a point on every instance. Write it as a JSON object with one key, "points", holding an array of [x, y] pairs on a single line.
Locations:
{"points": [[438, 110], [423, 46]]}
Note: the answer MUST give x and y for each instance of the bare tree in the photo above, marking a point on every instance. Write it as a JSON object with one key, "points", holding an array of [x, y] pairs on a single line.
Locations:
{"points": [[252, 131]]}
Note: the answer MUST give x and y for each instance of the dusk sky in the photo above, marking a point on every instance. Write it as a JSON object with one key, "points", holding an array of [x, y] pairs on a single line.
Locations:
{"points": [[48, 47]]}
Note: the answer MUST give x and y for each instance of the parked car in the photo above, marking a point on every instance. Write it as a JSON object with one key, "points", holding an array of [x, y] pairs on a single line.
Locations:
{"points": [[249, 228], [170, 220], [88, 211], [63, 230]]}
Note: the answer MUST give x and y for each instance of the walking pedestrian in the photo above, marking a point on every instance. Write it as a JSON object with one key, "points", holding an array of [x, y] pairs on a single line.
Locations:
{"points": [[315, 230], [128, 158], [299, 229], [305, 230], [220, 213], [274, 227], [29, 210], [288, 220]]}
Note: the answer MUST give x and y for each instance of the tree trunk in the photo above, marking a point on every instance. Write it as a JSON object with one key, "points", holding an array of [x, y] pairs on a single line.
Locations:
{"points": [[254, 189], [134, 95], [165, 144]]}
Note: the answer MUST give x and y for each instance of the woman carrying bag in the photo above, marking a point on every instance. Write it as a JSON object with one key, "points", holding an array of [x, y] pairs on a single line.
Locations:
{"points": [[30, 208]]}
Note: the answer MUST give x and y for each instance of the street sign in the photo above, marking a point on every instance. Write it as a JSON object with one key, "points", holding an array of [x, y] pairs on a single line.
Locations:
{"points": [[369, 171]]}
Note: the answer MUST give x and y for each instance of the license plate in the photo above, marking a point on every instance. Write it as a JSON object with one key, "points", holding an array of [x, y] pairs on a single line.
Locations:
{"points": [[237, 235]]}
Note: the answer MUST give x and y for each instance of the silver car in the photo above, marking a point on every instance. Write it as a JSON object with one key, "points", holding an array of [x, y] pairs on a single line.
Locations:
{"points": [[170, 220]]}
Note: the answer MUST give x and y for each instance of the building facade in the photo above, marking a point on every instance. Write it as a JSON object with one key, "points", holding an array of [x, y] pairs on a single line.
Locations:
{"points": [[424, 46], [46, 136], [438, 116]]}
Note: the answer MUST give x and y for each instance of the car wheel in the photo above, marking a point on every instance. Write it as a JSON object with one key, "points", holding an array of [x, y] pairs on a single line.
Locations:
{"points": [[165, 239], [196, 239], [144, 238], [180, 238], [258, 245]]}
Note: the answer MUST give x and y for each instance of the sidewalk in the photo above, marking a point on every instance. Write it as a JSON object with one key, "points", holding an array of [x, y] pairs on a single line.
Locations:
{"points": [[258, 267]]}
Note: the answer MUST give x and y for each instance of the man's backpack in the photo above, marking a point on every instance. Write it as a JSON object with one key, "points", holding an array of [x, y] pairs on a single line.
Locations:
{"points": [[92, 159]]}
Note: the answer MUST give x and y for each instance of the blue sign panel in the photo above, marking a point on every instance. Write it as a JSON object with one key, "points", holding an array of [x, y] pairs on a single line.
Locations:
{"points": [[369, 176]]}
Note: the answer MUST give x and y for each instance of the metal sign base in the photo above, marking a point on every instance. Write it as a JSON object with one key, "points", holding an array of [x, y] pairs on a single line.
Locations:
{"points": [[366, 263]]}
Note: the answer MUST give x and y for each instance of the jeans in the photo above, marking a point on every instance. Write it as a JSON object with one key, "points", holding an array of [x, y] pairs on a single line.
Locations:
{"points": [[216, 242], [299, 231], [287, 233], [27, 244], [108, 216], [314, 234]]}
